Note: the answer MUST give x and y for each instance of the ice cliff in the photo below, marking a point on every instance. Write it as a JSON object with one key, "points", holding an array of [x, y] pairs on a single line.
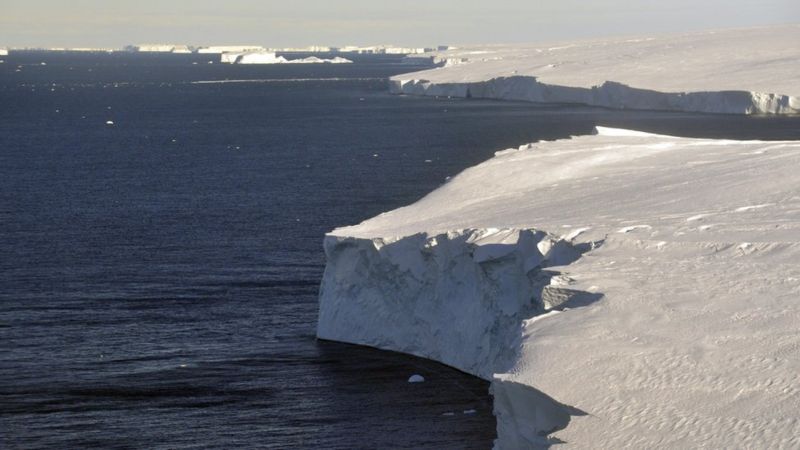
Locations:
{"points": [[620, 290], [748, 71], [458, 297]]}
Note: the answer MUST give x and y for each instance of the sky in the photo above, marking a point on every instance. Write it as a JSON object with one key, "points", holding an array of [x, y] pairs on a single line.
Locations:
{"points": [[274, 23]]}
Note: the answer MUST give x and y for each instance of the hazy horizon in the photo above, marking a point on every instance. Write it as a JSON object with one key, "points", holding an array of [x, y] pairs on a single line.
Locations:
{"points": [[92, 23]]}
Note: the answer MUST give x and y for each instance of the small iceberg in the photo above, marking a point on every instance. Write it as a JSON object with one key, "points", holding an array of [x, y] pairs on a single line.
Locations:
{"points": [[416, 378]]}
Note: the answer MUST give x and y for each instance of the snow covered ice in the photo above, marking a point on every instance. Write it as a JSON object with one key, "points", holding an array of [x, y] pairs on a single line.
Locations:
{"points": [[620, 290], [733, 71]]}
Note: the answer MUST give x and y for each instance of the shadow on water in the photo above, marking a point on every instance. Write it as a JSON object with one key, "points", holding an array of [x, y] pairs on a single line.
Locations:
{"points": [[450, 402]]}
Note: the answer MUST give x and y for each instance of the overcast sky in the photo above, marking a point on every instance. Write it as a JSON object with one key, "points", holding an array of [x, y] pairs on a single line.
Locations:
{"points": [[114, 23]]}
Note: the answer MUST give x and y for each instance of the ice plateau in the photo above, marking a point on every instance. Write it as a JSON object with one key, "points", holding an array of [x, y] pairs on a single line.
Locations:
{"points": [[744, 71], [620, 290]]}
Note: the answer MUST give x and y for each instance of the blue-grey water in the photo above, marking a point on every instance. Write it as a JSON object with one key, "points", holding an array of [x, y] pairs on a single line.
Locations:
{"points": [[159, 276]]}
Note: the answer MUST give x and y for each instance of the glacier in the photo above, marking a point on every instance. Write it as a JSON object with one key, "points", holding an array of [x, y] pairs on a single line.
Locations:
{"points": [[740, 71], [619, 290]]}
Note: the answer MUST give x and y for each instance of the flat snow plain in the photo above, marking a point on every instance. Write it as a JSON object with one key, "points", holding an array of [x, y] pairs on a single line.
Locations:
{"points": [[730, 71], [684, 332]]}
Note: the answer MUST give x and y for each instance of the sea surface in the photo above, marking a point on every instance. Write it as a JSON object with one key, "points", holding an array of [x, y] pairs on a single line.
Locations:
{"points": [[159, 274]]}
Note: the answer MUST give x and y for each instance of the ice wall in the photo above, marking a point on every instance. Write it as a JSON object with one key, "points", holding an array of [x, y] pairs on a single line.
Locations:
{"points": [[456, 297], [608, 95]]}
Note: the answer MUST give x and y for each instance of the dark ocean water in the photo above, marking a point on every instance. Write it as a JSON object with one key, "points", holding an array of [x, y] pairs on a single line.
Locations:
{"points": [[159, 276]]}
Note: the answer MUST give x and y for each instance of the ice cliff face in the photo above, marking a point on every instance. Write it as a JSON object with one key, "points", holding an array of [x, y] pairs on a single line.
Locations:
{"points": [[694, 72], [458, 297]]}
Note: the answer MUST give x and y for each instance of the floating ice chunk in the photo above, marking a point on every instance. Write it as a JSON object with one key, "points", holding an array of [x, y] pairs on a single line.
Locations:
{"points": [[469, 411], [416, 378], [109, 122]]}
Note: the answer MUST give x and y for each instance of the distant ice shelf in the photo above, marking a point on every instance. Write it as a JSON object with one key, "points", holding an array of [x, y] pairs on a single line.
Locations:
{"points": [[745, 71], [272, 58], [620, 290]]}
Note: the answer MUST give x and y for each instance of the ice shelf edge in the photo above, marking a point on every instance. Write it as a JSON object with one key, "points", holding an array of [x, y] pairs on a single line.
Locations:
{"points": [[608, 95]]}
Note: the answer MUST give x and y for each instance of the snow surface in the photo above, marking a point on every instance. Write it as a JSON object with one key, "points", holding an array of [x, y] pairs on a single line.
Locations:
{"points": [[621, 290], [731, 71]]}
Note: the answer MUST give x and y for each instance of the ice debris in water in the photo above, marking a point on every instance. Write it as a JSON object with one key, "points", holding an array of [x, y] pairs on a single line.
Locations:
{"points": [[416, 378]]}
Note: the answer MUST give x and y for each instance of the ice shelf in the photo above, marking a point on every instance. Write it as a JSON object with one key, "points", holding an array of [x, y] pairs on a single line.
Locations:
{"points": [[620, 290], [742, 71]]}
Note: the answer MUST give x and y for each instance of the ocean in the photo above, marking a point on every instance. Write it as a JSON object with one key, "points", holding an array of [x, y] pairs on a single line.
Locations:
{"points": [[161, 225]]}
